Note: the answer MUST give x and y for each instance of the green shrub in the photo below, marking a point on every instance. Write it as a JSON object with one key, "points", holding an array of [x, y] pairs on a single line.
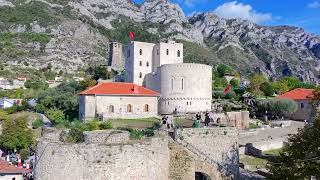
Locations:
{"points": [[227, 108], [218, 95], [148, 132], [267, 89], [105, 125], [253, 126], [80, 125], [24, 153], [136, 134], [37, 123], [56, 116], [235, 83], [276, 107], [231, 95], [156, 125], [223, 69], [94, 125], [75, 136]]}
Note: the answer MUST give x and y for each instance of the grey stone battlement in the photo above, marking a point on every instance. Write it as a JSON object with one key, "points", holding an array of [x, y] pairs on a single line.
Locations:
{"points": [[216, 131], [107, 137]]}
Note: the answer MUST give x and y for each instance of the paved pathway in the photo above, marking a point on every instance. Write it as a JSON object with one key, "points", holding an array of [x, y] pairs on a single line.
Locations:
{"points": [[46, 121], [260, 135]]}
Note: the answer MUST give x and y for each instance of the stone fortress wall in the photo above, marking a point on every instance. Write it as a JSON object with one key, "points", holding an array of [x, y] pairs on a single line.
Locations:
{"points": [[184, 87], [114, 159], [217, 147], [111, 155]]}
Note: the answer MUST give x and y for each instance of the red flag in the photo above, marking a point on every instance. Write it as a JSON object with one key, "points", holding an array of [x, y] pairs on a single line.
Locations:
{"points": [[132, 35], [227, 89]]}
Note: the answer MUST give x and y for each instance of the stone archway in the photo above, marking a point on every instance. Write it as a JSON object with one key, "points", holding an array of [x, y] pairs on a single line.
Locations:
{"points": [[201, 176], [207, 171]]}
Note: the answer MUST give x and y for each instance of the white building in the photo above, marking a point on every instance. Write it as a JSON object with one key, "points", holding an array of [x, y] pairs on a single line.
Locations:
{"points": [[144, 58], [184, 88], [109, 100]]}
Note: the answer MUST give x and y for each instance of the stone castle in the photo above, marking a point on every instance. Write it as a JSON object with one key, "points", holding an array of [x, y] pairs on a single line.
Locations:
{"points": [[183, 87]]}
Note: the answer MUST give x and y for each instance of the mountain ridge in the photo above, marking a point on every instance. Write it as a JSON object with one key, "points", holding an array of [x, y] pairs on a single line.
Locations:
{"points": [[72, 34]]}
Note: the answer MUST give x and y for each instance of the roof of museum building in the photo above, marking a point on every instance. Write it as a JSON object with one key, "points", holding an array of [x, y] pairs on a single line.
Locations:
{"points": [[298, 94], [6, 168], [111, 88]]}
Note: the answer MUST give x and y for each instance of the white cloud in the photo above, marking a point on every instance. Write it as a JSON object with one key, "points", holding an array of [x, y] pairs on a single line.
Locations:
{"points": [[234, 9], [314, 4], [191, 3]]}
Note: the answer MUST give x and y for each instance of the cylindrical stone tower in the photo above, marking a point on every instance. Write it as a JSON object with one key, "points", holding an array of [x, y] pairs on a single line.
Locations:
{"points": [[185, 88]]}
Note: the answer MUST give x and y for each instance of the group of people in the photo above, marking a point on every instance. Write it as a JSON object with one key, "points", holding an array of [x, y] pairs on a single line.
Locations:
{"points": [[208, 118], [168, 122]]}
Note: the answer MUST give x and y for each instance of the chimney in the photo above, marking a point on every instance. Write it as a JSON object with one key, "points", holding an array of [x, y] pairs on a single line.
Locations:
{"points": [[135, 89]]}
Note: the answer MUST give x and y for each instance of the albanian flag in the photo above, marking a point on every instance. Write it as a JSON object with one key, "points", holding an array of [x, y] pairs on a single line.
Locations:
{"points": [[132, 35], [227, 89]]}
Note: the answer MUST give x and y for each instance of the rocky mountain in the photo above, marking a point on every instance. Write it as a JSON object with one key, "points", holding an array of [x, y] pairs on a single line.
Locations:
{"points": [[70, 34]]}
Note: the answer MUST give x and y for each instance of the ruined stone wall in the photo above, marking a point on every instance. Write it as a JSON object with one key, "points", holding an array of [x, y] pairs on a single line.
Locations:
{"points": [[144, 160], [215, 146], [240, 119]]}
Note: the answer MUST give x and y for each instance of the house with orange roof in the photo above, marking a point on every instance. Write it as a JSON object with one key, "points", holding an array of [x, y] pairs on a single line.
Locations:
{"points": [[8, 171], [110, 100], [303, 98]]}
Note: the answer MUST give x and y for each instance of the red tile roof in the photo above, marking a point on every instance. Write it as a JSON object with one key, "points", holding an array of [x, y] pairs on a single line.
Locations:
{"points": [[109, 88], [298, 94], [6, 168]]}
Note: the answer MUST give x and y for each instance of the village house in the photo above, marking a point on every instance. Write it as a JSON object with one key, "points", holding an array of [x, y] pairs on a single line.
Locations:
{"points": [[16, 83], [10, 172], [109, 100], [303, 98], [7, 103]]}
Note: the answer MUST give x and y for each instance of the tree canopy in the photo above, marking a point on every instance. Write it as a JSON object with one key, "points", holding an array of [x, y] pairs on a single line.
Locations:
{"points": [[223, 69], [16, 134], [300, 158]]}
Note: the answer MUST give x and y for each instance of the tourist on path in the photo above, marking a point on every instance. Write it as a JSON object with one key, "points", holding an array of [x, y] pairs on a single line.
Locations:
{"points": [[169, 122], [207, 120], [164, 120]]}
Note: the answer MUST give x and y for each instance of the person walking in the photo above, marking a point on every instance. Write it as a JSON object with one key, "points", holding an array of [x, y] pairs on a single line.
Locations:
{"points": [[207, 120], [169, 122], [164, 120]]}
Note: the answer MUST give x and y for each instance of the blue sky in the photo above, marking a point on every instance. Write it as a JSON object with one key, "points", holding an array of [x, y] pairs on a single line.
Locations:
{"points": [[300, 13]]}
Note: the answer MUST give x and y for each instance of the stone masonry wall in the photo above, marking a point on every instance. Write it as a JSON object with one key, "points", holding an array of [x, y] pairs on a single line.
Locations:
{"points": [[111, 155], [216, 146], [144, 160], [107, 137]]}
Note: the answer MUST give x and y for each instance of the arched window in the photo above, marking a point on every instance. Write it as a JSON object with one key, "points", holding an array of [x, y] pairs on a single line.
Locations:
{"points": [[140, 52], [302, 105], [140, 75], [178, 53], [146, 108], [182, 85], [140, 63], [111, 109], [128, 55], [157, 51], [187, 103], [167, 51], [147, 64], [129, 108]]}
